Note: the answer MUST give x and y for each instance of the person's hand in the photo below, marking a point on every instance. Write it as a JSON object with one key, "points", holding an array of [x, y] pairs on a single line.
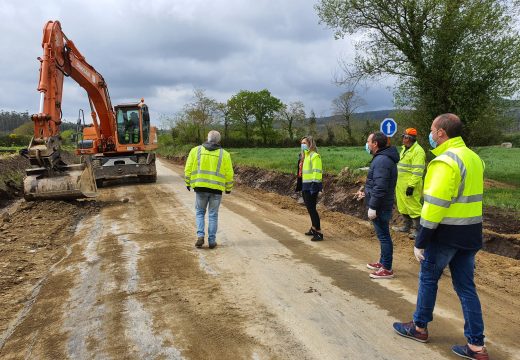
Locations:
{"points": [[409, 191], [228, 192], [372, 214], [187, 187], [419, 254]]}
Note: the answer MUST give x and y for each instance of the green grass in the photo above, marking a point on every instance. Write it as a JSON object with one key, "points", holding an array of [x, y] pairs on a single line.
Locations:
{"points": [[503, 198], [285, 159], [502, 165]]}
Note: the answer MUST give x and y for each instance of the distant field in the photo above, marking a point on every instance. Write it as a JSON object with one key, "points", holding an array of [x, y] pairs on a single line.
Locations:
{"points": [[502, 165], [285, 159]]}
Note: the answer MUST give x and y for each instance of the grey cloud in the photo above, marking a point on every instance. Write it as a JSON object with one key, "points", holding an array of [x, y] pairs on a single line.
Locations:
{"points": [[162, 50]]}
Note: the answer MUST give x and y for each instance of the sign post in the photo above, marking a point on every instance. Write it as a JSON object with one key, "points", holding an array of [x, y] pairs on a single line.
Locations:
{"points": [[388, 127]]}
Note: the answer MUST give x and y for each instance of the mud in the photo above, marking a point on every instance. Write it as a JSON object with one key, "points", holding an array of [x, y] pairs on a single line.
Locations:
{"points": [[502, 227], [13, 168], [119, 278], [33, 237]]}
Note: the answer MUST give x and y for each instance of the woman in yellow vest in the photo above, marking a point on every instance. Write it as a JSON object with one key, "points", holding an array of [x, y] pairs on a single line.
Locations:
{"points": [[311, 184]]}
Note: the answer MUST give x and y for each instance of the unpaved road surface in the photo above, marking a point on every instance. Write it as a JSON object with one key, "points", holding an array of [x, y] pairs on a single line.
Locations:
{"points": [[119, 278]]}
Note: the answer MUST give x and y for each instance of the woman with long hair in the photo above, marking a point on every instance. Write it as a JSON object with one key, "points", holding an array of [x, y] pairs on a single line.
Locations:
{"points": [[310, 169]]}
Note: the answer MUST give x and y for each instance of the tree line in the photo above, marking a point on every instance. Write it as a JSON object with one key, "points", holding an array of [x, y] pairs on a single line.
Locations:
{"points": [[257, 118]]}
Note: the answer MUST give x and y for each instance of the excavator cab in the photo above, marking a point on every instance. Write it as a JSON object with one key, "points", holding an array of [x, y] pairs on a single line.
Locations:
{"points": [[128, 129]]}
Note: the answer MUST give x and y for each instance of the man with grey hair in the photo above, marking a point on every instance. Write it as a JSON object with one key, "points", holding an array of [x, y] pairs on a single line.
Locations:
{"points": [[209, 172]]}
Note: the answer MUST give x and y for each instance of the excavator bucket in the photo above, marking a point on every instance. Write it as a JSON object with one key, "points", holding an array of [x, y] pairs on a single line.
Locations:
{"points": [[68, 182]]}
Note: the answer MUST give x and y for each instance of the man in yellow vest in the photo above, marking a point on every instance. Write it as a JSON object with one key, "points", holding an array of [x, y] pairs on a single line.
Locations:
{"points": [[450, 234], [408, 191], [209, 172]]}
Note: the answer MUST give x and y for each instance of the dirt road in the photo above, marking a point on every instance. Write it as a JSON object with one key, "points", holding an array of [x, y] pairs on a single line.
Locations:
{"points": [[129, 284]]}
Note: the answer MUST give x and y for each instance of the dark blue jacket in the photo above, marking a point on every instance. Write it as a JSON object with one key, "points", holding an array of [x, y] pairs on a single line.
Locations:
{"points": [[381, 179]]}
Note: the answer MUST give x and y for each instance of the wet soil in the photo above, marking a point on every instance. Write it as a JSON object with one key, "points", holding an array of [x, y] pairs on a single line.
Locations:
{"points": [[501, 227], [128, 283]]}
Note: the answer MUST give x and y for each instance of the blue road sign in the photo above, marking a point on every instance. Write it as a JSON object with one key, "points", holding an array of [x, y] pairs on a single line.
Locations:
{"points": [[388, 127]]}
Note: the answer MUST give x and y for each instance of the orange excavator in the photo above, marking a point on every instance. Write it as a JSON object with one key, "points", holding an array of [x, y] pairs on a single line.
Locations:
{"points": [[119, 143]]}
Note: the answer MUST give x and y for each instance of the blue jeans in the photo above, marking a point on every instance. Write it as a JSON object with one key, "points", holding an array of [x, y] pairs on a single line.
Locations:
{"points": [[462, 265], [210, 201], [382, 227]]}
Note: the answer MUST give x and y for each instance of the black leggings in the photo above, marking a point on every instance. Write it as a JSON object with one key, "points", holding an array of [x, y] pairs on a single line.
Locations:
{"points": [[310, 202]]}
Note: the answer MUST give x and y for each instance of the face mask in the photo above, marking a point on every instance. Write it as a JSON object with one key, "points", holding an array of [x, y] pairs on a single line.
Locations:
{"points": [[367, 149], [305, 147], [433, 143]]}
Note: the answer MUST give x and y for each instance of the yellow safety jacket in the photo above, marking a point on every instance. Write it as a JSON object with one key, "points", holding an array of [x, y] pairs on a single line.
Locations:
{"points": [[311, 171], [453, 190], [410, 169], [210, 169]]}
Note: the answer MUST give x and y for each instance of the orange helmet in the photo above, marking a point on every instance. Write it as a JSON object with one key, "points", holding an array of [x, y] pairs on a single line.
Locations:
{"points": [[410, 132]]}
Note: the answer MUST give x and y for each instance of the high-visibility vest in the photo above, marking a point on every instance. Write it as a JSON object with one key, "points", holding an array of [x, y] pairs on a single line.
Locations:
{"points": [[453, 187], [209, 169], [311, 170], [410, 169]]}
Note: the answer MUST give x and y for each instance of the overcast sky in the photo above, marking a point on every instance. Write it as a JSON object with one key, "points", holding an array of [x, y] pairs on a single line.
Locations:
{"points": [[162, 50]]}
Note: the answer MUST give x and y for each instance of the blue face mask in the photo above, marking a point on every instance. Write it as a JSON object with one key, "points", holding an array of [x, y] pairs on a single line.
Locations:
{"points": [[367, 149], [305, 147], [433, 143]]}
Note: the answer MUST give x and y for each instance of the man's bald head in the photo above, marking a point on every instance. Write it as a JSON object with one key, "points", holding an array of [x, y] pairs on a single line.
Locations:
{"points": [[450, 123]]}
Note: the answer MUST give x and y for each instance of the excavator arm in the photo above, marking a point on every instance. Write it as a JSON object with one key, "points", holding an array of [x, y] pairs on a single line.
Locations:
{"points": [[51, 177]]}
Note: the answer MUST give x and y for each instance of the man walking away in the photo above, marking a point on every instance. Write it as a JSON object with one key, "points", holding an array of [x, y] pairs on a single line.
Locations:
{"points": [[379, 197], [209, 172], [410, 170], [450, 235]]}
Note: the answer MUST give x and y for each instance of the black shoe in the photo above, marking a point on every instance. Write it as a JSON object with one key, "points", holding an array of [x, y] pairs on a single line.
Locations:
{"points": [[317, 236], [311, 232], [212, 245], [200, 242]]}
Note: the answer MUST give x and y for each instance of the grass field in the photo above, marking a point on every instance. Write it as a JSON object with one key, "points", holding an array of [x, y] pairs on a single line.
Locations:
{"points": [[502, 165]]}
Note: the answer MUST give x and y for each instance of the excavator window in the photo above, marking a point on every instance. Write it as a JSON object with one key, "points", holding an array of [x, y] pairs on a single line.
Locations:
{"points": [[146, 125], [128, 131]]}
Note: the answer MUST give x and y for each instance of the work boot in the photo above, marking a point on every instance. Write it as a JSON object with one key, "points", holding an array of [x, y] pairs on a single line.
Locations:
{"points": [[200, 242], [416, 224], [317, 236], [407, 224], [311, 232]]}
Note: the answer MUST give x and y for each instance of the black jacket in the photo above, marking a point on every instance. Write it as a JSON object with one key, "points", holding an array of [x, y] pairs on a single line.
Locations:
{"points": [[381, 179], [299, 180]]}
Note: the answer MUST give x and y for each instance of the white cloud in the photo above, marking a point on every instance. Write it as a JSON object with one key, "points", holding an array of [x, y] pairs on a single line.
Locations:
{"points": [[161, 50]]}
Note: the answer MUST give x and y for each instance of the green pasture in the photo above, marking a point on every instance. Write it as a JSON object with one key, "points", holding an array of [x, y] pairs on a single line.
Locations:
{"points": [[286, 159], [502, 165]]}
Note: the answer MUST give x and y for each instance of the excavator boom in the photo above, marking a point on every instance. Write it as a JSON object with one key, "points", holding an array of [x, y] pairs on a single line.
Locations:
{"points": [[113, 147]]}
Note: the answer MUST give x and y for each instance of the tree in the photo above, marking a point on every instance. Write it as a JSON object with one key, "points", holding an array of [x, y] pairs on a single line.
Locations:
{"points": [[240, 111], [292, 117], [223, 111], [345, 105], [458, 56], [264, 108], [201, 112], [312, 125]]}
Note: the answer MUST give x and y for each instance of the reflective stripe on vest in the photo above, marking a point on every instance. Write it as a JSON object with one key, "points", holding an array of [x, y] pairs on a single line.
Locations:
{"points": [[309, 173], [206, 178], [462, 209]]}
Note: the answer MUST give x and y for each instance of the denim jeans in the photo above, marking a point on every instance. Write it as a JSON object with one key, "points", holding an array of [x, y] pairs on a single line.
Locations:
{"points": [[210, 201], [462, 265], [382, 227]]}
